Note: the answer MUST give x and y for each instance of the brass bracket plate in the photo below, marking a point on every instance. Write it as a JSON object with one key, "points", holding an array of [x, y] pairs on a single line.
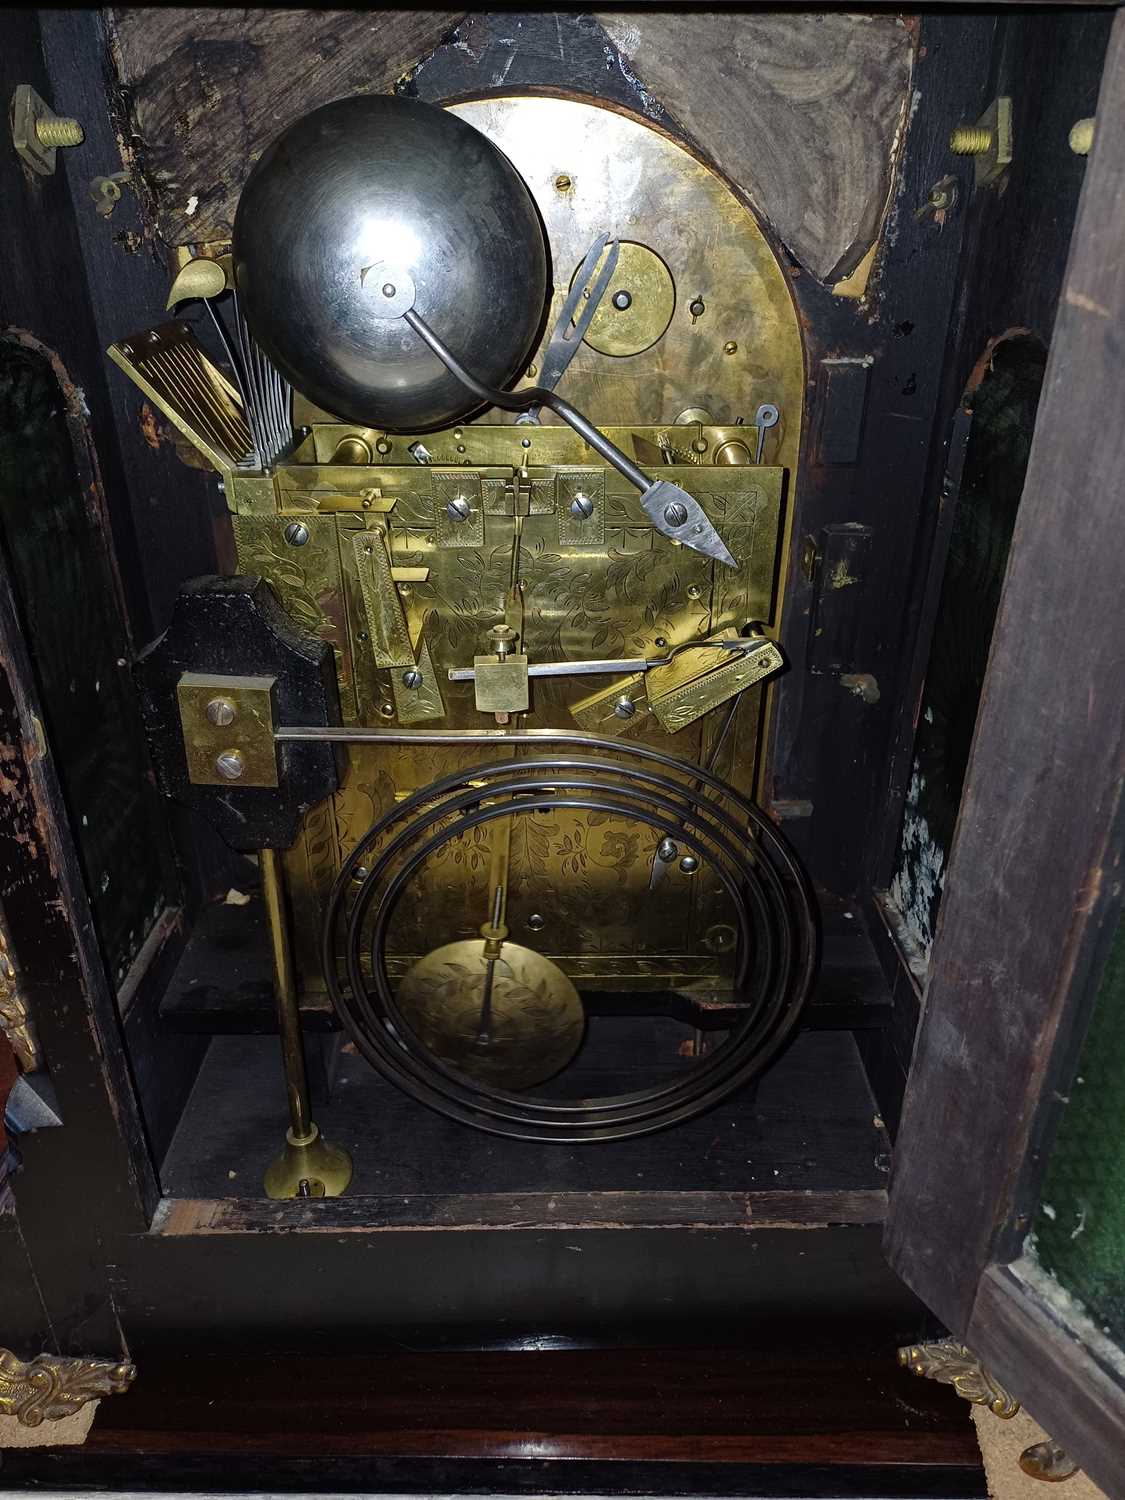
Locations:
{"points": [[453, 487], [241, 725], [718, 676], [386, 623], [414, 705], [581, 485], [599, 714], [501, 684]]}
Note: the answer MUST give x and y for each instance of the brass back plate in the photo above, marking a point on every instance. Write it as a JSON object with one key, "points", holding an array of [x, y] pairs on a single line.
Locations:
{"points": [[616, 589]]}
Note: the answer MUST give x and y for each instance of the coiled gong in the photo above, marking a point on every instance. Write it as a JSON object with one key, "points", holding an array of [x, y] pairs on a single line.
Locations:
{"points": [[437, 1047]]}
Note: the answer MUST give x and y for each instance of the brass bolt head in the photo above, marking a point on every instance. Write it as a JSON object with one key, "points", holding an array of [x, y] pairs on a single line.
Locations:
{"points": [[730, 347]]}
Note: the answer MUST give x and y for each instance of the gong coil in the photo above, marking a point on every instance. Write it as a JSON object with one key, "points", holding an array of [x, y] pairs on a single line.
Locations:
{"points": [[774, 948]]}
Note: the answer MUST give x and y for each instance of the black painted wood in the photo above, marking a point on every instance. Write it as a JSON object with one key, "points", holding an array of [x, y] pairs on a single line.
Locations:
{"points": [[1014, 255], [828, 741], [167, 520], [27, 1328], [808, 1126], [234, 626], [98, 1157]]}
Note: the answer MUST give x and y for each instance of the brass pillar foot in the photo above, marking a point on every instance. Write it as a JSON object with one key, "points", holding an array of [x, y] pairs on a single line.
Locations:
{"points": [[308, 1167]]}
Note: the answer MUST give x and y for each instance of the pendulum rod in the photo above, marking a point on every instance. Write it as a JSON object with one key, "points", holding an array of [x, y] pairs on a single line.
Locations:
{"points": [[308, 1167], [285, 992]]}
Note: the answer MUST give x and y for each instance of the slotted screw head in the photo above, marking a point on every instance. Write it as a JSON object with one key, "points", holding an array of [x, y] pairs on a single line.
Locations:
{"points": [[624, 708], [581, 507], [412, 678], [230, 764], [666, 851], [296, 533], [459, 509], [676, 513], [221, 712]]}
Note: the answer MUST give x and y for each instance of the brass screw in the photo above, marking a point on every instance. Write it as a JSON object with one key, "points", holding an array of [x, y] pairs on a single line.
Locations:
{"points": [[61, 131], [230, 764], [221, 711], [730, 347], [970, 140], [563, 183]]}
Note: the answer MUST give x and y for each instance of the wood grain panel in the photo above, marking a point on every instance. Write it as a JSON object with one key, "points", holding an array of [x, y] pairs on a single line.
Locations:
{"points": [[211, 87], [801, 111]]}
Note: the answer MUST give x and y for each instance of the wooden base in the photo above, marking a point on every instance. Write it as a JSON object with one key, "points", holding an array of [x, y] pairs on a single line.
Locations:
{"points": [[686, 1421]]}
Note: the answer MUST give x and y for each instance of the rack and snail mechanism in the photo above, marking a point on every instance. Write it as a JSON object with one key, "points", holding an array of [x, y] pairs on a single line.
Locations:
{"points": [[485, 695]]}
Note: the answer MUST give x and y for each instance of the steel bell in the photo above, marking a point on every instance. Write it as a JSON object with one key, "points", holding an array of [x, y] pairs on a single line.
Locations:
{"points": [[373, 182]]}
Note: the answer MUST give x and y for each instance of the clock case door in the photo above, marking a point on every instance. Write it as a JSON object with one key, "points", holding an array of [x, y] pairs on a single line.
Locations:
{"points": [[1033, 889]]}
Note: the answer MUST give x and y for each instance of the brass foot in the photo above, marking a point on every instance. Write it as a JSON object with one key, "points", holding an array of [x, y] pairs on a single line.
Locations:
{"points": [[308, 1167], [1047, 1460]]}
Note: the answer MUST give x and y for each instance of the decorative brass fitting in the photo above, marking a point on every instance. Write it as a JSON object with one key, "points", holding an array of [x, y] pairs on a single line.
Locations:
{"points": [[52, 1386], [37, 131], [989, 141], [951, 1363]]}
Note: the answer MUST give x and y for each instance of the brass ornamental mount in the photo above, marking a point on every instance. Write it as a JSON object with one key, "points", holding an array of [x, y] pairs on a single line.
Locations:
{"points": [[52, 1386], [953, 1364], [15, 1019]]}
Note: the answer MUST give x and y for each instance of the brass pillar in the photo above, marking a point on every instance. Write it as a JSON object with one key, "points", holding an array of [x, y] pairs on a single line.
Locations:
{"points": [[308, 1166]]}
